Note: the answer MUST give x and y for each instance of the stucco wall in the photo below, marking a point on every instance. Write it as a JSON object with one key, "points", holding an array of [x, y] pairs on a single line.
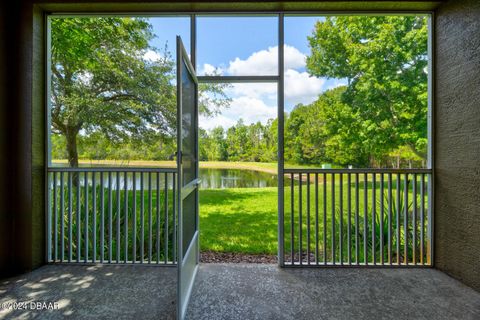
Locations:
{"points": [[457, 145]]}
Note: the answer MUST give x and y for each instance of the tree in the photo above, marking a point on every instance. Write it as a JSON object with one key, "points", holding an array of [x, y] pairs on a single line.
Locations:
{"points": [[383, 60], [105, 81]]}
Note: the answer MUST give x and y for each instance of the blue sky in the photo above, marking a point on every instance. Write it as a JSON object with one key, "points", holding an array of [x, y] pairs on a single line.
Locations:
{"points": [[248, 46]]}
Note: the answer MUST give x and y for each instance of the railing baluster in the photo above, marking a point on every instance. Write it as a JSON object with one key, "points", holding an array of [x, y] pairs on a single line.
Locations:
{"points": [[422, 218], [374, 212], [390, 205], [85, 179], [292, 217], [300, 242], [62, 216], [125, 222], [158, 218], [397, 213], [365, 218], [405, 218], [119, 215], [349, 223], [341, 219], [165, 231], [70, 217], [102, 218], [55, 227], [324, 218], [357, 209], [381, 234], [414, 220], [150, 217], [316, 218], [174, 181], [78, 219], [142, 219], [333, 218], [308, 218], [94, 216], [134, 218], [110, 223]]}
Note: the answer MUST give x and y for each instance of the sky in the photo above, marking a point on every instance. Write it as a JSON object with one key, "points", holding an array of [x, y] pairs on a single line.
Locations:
{"points": [[248, 46]]}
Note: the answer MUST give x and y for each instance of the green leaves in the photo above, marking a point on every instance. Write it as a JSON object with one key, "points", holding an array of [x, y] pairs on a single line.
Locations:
{"points": [[383, 58]]}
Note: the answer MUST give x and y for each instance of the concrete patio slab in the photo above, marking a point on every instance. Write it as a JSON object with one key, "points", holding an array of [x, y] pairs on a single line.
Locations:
{"points": [[240, 291]]}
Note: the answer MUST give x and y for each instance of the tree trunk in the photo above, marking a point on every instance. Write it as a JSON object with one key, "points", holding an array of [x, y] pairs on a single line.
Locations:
{"points": [[72, 152]]}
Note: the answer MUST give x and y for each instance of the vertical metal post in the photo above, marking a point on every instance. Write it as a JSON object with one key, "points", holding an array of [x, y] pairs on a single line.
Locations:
{"points": [[292, 217], [300, 223], [324, 218], [125, 222], [165, 230], [333, 218], [110, 227], [357, 208], [49, 221], [62, 217], [397, 218], [158, 218], [94, 216], [316, 218], [79, 252], [85, 179], [150, 242], [119, 215], [102, 218], [281, 164], [422, 218], [142, 219], [390, 204], [70, 217], [382, 257], [349, 224], [414, 219], [134, 218], [405, 219], [341, 219], [431, 143], [308, 218], [365, 218], [374, 212]]}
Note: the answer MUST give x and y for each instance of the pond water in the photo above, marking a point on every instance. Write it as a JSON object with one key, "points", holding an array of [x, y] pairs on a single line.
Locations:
{"points": [[210, 179], [235, 178]]}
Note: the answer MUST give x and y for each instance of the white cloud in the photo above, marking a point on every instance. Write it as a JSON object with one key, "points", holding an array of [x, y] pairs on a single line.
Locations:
{"points": [[151, 56], [209, 69], [249, 109], [300, 87], [265, 62]]}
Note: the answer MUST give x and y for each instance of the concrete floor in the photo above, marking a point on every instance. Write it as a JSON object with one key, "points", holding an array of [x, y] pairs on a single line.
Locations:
{"points": [[241, 291]]}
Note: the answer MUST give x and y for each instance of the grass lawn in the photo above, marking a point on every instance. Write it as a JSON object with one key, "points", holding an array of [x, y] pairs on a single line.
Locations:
{"points": [[239, 220]]}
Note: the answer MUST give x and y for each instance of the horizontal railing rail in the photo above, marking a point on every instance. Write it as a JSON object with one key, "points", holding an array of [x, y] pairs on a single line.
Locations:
{"points": [[357, 217], [111, 215]]}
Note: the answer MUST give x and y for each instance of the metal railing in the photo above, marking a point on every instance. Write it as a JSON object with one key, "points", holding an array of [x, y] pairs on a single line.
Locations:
{"points": [[357, 217], [111, 215]]}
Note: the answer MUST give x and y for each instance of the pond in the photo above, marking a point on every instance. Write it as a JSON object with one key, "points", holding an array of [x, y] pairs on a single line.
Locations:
{"points": [[210, 179], [236, 178]]}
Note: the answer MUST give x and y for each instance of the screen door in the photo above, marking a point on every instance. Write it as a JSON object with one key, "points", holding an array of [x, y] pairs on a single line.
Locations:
{"points": [[187, 164]]}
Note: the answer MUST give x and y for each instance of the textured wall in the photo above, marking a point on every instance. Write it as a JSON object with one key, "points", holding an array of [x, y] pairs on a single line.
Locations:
{"points": [[457, 145]]}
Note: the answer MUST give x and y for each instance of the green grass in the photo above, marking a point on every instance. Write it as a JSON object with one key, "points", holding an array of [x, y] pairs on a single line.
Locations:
{"points": [[239, 220]]}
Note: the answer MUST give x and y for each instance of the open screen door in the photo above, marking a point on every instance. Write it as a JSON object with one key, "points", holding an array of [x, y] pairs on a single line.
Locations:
{"points": [[187, 164]]}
